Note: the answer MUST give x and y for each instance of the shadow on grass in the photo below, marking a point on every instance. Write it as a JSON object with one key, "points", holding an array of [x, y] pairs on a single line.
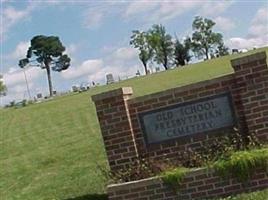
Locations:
{"points": [[90, 197]]}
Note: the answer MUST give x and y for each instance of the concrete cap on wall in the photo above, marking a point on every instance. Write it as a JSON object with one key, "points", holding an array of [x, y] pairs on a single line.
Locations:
{"points": [[113, 93], [248, 59]]}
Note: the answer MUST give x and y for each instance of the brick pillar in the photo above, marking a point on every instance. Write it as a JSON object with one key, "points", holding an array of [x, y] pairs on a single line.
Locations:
{"points": [[251, 74], [116, 128]]}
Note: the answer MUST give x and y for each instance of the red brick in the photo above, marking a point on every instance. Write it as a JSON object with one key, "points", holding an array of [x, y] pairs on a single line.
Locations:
{"points": [[198, 195], [181, 94], [143, 108], [202, 176], [213, 86], [207, 93], [150, 101], [167, 97], [156, 196], [131, 196], [215, 192], [196, 90], [190, 97], [161, 104], [263, 182], [232, 188], [213, 180], [196, 183], [121, 192]]}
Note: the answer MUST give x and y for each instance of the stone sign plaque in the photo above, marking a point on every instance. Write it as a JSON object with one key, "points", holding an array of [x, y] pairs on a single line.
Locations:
{"points": [[188, 118]]}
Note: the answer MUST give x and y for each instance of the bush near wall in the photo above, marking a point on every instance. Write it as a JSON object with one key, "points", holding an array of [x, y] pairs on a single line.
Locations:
{"points": [[202, 183]]}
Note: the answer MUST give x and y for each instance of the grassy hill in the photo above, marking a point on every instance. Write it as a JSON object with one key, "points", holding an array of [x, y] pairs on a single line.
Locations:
{"points": [[54, 150]]}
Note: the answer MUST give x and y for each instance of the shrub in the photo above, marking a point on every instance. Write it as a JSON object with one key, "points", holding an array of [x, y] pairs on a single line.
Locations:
{"points": [[24, 102], [217, 148], [174, 177], [30, 102], [242, 164], [143, 167], [12, 103], [259, 195]]}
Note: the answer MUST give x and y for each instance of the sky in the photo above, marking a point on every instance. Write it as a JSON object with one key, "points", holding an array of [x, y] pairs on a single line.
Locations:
{"points": [[96, 35]]}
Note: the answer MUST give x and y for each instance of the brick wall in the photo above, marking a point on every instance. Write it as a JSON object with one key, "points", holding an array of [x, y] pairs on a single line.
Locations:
{"points": [[116, 128], [122, 134], [200, 184], [251, 76], [124, 139], [191, 92]]}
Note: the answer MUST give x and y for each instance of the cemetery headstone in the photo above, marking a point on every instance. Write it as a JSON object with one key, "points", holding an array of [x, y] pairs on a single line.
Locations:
{"points": [[109, 78], [39, 95]]}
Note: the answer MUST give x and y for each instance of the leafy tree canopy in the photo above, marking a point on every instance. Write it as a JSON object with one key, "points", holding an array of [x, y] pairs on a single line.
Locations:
{"points": [[204, 41], [222, 50], [140, 41], [162, 44], [181, 52], [47, 52], [2, 86]]}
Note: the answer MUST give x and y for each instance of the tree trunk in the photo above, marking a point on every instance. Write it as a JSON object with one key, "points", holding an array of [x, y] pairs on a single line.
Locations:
{"points": [[145, 67], [49, 80], [207, 57], [183, 63], [165, 63]]}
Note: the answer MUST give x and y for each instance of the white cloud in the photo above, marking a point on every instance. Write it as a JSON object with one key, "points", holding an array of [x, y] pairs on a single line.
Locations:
{"points": [[118, 71], [93, 19], [20, 51], [122, 62], [137, 7], [16, 76], [12, 70], [247, 43], [261, 16], [145, 11], [257, 33], [224, 23], [22, 48], [214, 8], [158, 11], [71, 49], [259, 24], [16, 84], [11, 16], [97, 12], [21, 88], [123, 53], [87, 67], [148, 11]]}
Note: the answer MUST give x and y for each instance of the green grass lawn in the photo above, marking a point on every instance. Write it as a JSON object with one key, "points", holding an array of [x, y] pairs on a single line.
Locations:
{"points": [[259, 195], [53, 150]]}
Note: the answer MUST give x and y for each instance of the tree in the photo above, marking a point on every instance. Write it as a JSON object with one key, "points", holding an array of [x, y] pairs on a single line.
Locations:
{"points": [[222, 50], [181, 52], [204, 40], [47, 53], [140, 41], [3, 88], [162, 44]]}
